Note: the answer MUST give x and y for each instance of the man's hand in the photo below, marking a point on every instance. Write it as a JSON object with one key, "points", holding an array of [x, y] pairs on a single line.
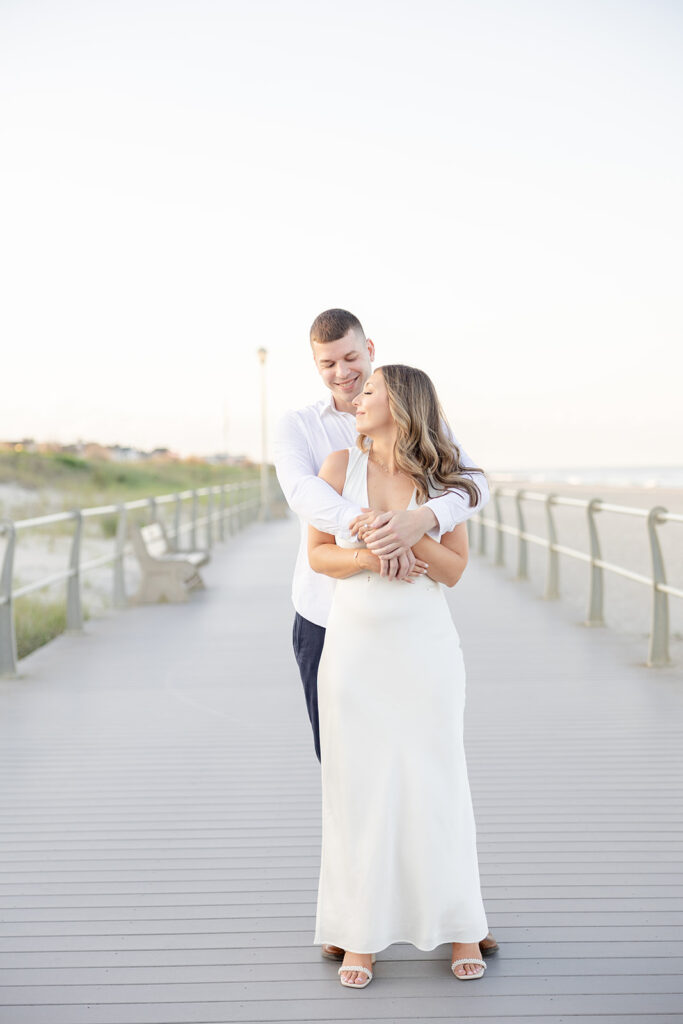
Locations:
{"points": [[359, 525], [392, 534]]}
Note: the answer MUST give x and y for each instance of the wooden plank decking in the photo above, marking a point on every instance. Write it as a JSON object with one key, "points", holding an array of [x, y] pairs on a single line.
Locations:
{"points": [[160, 804]]}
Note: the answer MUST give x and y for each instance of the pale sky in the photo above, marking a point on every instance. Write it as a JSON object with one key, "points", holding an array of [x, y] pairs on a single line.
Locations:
{"points": [[492, 186]]}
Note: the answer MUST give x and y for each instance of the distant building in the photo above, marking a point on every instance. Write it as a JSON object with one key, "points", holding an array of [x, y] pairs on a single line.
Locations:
{"points": [[164, 454], [93, 450], [223, 459], [27, 444], [119, 453]]}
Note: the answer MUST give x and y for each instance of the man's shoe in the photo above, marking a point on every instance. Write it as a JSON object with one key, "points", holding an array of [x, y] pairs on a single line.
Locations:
{"points": [[488, 945], [332, 952]]}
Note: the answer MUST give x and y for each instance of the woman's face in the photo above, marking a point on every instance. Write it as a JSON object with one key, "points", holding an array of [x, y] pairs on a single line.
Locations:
{"points": [[372, 406]]}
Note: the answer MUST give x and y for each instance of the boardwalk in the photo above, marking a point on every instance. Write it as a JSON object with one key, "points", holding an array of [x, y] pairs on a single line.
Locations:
{"points": [[160, 818]]}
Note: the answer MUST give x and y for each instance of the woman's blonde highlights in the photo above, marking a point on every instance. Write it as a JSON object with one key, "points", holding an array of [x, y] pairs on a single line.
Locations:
{"points": [[423, 449]]}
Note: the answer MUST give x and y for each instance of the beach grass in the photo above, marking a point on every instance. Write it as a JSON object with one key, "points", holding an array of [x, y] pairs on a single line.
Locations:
{"points": [[124, 480], [58, 481], [37, 621]]}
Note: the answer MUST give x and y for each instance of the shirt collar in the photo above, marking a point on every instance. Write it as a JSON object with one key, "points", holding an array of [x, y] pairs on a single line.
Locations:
{"points": [[330, 408]]}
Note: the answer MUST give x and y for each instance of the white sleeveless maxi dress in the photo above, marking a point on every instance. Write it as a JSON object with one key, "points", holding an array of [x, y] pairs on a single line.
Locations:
{"points": [[399, 857]]}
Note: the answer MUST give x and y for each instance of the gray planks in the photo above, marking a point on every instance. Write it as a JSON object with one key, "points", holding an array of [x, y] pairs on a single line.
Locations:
{"points": [[160, 829]]}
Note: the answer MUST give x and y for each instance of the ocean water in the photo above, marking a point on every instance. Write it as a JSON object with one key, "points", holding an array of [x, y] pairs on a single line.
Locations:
{"points": [[618, 476]]}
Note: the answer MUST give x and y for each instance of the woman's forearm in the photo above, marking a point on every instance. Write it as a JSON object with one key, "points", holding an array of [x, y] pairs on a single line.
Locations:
{"points": [[340, 563], [445, 566]]}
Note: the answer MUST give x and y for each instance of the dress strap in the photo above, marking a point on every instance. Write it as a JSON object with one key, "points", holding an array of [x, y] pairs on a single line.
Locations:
{"points": [[356, 490], [356, 482]]}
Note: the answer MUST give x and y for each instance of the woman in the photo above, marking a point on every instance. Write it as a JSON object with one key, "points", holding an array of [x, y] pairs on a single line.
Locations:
{"points": [[399, 858]]}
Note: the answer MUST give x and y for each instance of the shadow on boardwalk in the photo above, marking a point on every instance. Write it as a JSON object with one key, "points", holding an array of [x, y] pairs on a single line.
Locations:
{"points": [[161, 800]]}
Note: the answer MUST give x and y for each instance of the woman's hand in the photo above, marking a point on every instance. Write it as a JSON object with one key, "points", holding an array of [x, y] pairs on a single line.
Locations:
{"points": [[359, 526], [367, 562], [418, 570]]}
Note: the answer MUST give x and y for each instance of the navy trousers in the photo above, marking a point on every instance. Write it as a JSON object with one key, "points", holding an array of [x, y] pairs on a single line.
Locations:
{"points": [[307, 640]]}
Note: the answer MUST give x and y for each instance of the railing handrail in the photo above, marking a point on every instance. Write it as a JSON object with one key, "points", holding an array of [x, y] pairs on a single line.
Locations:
{"points": [[655, 516], [103, 510], [600, 505]]}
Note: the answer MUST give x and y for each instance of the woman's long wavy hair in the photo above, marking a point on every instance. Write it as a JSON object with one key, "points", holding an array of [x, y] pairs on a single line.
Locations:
{"points": [[423, 449]]}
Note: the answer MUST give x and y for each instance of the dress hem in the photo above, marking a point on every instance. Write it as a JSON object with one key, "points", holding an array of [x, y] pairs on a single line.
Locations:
{"points": [[383, 944]]}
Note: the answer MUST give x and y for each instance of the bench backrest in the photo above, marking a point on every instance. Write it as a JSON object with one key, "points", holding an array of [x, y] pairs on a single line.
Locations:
{"points": [[148, 541], [154, 539]]}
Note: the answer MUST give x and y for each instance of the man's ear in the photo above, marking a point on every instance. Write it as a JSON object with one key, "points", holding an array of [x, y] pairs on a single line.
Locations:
{"points": [[371, 348]]}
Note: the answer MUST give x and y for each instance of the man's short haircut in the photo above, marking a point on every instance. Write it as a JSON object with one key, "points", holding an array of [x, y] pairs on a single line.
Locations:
{"points": [[333, 324]]}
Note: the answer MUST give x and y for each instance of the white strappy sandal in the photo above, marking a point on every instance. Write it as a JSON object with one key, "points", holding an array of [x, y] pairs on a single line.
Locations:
{"points": [[468, 960], [354, 967]]}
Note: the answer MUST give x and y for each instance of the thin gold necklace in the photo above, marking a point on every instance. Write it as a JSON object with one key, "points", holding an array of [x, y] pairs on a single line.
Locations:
{"points": [[381, 465]]}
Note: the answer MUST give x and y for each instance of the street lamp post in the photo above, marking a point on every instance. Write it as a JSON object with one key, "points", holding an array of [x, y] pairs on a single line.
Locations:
{"points": [[262, 353]]}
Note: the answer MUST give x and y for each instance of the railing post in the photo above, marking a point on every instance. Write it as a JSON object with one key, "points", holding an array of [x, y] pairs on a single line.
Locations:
{"points": [[482, 533], [228, 509], [209, 520], [240, 503], [176, 522], [595, 601], [658, 653], [8, 640], [552, 580], [522, 573], [500, 536], [120, 600], [74, 611], [193, 530], [153, 509], [221, 513]]}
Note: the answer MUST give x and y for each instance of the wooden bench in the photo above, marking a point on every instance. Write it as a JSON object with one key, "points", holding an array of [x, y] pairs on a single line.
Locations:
{"points": [[166, 575]]}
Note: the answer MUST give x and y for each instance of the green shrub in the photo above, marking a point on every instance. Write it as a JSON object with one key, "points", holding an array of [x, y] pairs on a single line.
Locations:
{"points": [[72, 461], [109, 525]]}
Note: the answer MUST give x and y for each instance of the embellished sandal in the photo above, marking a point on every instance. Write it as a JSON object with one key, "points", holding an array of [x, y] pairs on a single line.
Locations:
{"points": [[468, 960], [354, 967]]}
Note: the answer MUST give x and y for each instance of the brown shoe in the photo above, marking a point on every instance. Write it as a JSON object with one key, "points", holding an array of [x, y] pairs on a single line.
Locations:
{"points": [[488, 945], [332, 952]]}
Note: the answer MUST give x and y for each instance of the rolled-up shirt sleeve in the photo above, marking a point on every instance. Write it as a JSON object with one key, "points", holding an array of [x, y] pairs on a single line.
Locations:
{"points": [[310, 497], [453, 508]]}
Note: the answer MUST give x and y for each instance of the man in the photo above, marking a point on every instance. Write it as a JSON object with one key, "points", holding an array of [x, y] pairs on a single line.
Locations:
{"points": [[305, 437]]}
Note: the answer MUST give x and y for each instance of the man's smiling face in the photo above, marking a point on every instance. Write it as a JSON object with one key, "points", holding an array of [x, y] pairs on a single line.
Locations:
{"points": [[344, 366]]}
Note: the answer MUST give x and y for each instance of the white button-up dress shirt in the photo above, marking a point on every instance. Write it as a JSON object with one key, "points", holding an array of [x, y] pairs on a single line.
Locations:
{"points": [[303, 440]]}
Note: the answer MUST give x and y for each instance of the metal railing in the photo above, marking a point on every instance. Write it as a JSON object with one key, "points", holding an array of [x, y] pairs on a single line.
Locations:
{"points": [[228, 508], [658, 653]]}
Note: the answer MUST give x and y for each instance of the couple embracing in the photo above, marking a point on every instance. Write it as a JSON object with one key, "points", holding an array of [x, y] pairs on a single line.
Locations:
{"points": [[383, 489]]}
